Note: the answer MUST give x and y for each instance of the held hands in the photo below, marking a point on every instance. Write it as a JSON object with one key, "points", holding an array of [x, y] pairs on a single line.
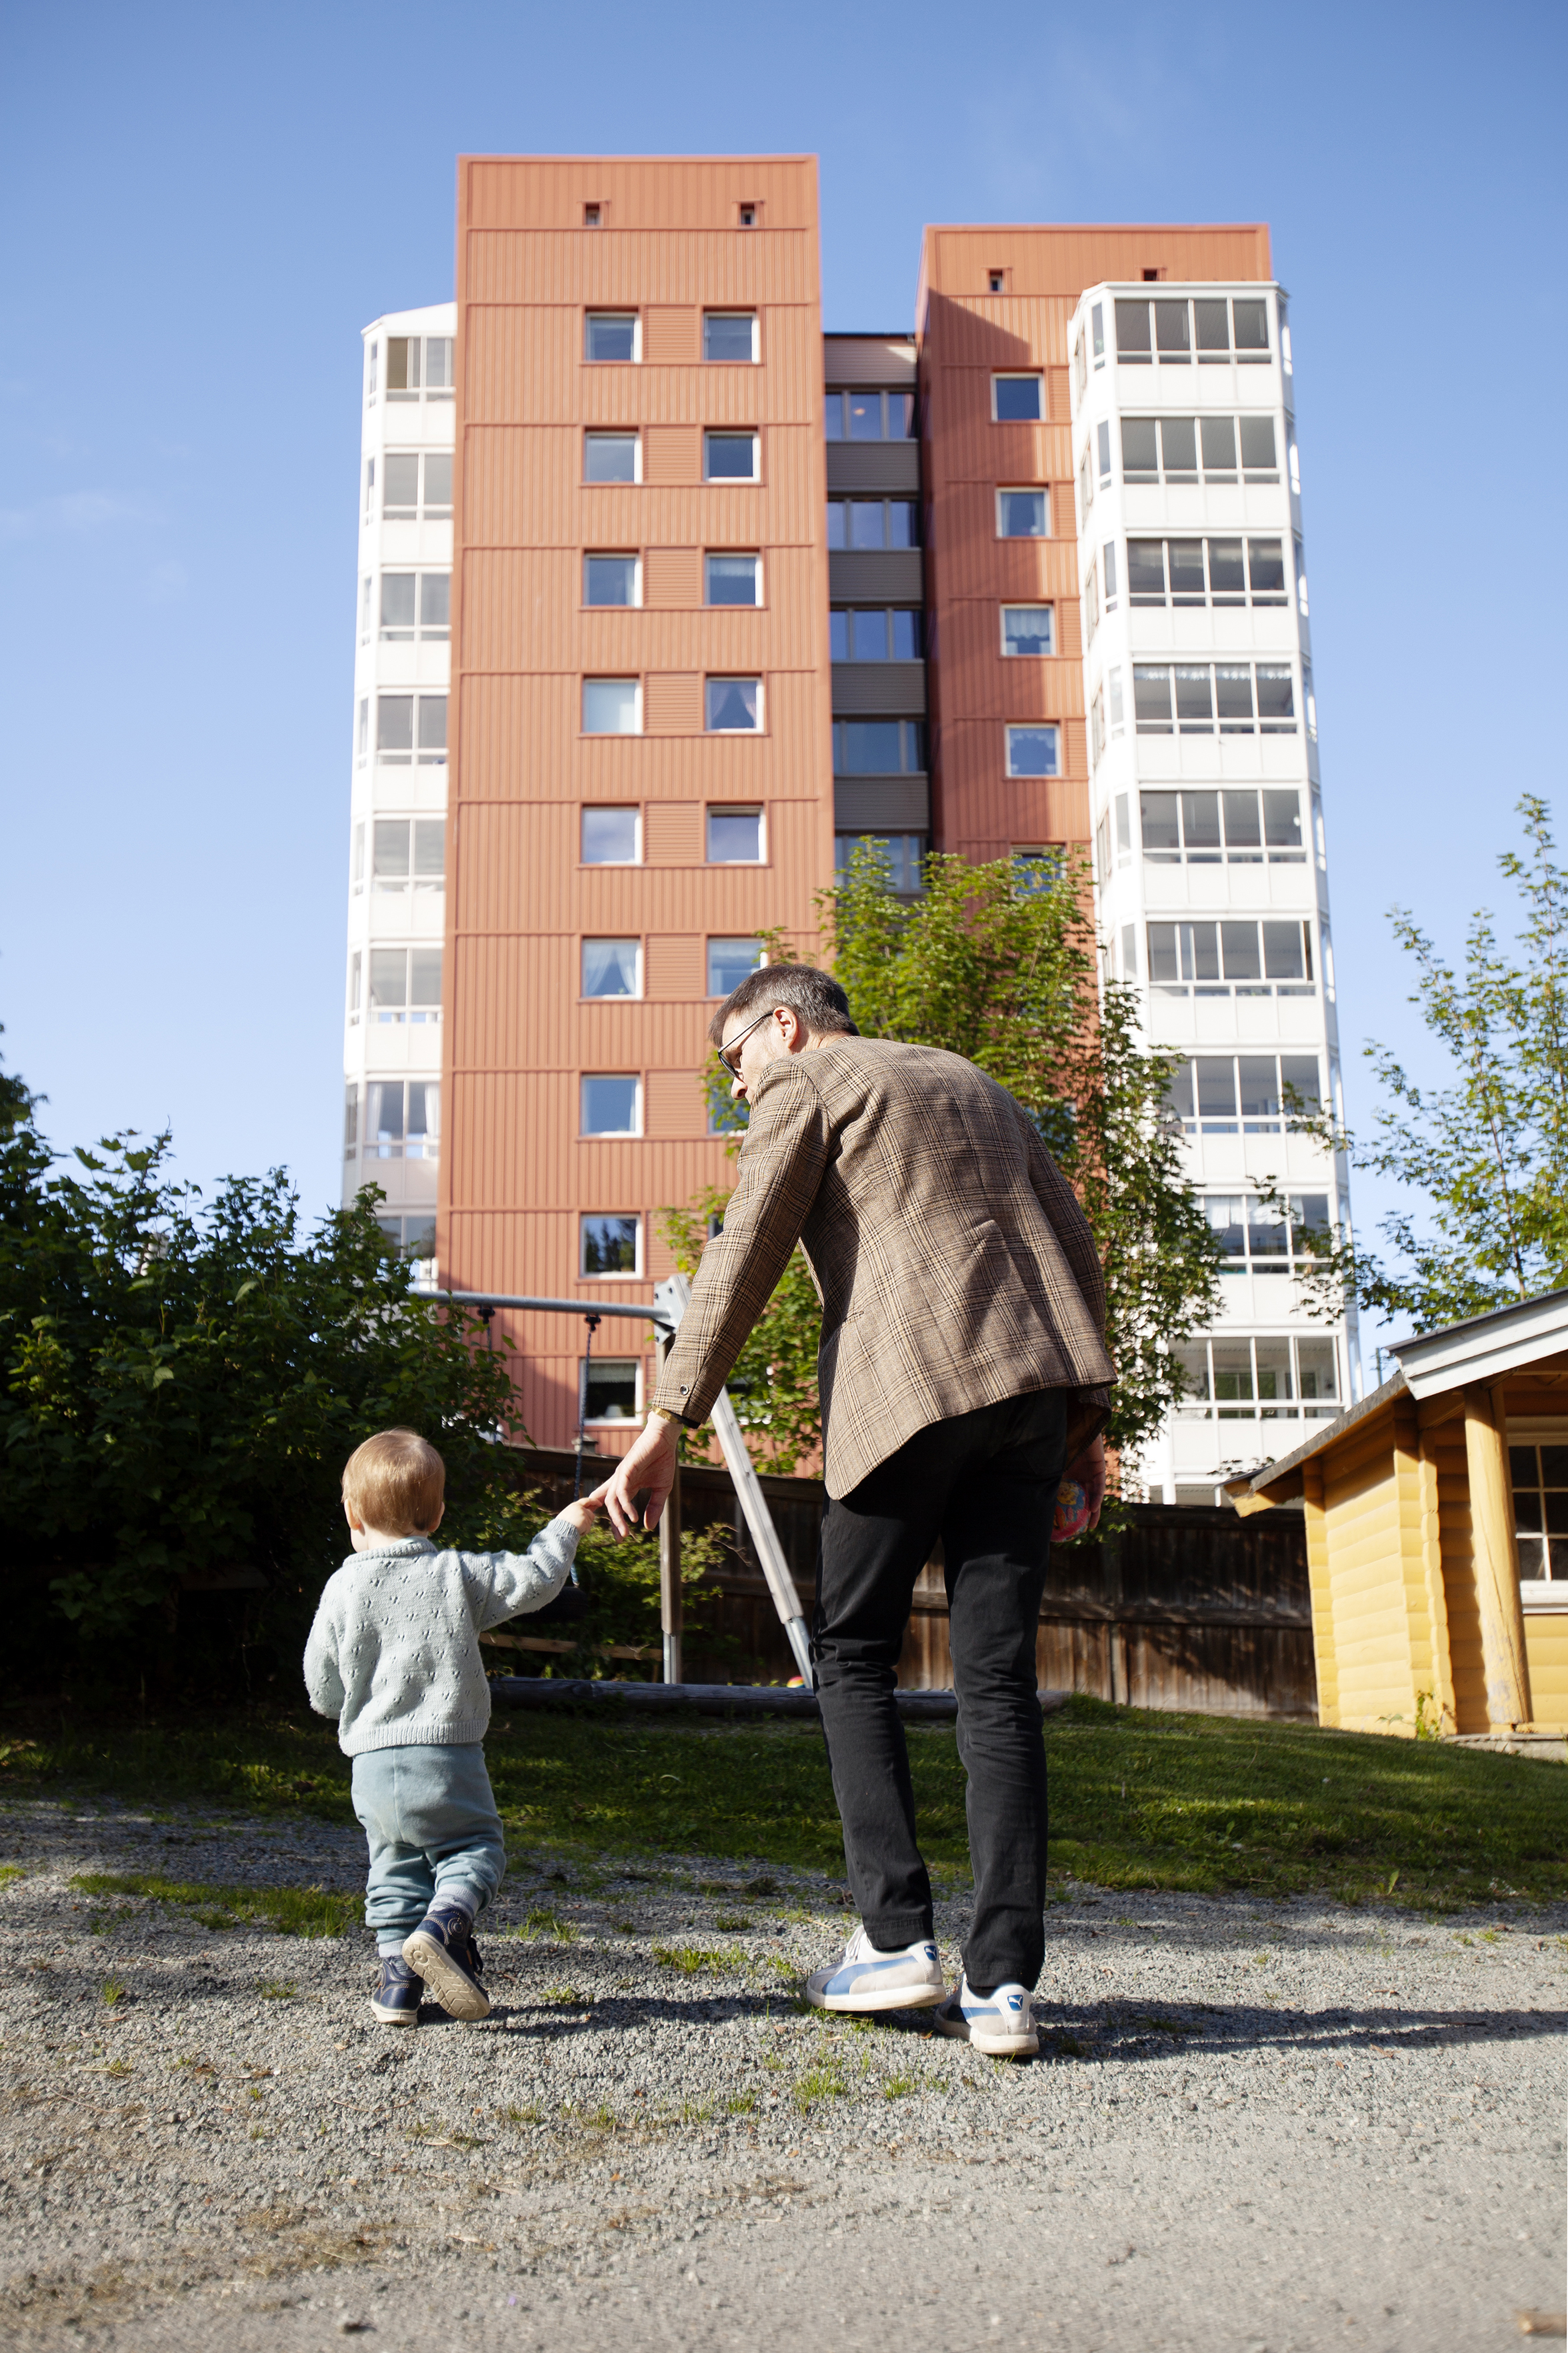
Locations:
{"points": [[647, 1473], [582, 1513]]}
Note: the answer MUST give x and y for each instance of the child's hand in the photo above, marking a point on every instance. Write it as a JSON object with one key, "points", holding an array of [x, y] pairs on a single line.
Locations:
{"points": [[583, 1514]]}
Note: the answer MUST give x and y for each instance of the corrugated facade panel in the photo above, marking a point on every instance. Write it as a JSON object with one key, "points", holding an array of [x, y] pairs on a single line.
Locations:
{"points": [[672, 703], [672, 576], [1061, 262], [678, 196], [537, 372], [675, 965], [522, 614], [867, 359]]}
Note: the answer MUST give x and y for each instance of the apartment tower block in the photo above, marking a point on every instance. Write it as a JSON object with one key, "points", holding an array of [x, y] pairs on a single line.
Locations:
{"points": [[725, 595]]}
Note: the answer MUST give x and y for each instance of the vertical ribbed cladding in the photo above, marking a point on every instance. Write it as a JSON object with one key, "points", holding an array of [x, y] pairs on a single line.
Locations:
{"points": [[517, 1175]]}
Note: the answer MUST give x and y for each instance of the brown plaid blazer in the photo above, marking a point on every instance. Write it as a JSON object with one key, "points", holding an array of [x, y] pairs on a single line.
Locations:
{"points": [[954, 1265]]}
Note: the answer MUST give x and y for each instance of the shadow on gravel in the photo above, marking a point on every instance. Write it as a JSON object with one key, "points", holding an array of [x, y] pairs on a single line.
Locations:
{"points": [[1102, 2032]]}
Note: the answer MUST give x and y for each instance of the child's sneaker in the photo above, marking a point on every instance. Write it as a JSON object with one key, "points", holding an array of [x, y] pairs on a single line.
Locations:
{"points": [[1001, 2023], [442, 1950], [395, 2000]]}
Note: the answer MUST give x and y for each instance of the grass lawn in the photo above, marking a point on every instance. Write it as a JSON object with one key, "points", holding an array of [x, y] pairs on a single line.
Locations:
{"points": [[1138, 1800]]}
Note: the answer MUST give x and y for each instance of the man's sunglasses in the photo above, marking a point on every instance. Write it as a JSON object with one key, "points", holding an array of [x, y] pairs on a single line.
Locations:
{"points": [[735, 1044]]}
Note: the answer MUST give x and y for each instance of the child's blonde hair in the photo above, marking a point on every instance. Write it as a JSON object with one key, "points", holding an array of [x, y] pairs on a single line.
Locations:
{"points": [[395, 1482]]}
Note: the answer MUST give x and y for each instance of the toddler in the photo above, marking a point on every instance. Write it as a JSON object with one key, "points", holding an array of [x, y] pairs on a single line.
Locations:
{"points": [[393, 1654]]}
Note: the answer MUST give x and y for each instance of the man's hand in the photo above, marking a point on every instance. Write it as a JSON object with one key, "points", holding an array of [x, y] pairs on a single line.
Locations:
{"points": [[650, 1465], [1090, 1473]]}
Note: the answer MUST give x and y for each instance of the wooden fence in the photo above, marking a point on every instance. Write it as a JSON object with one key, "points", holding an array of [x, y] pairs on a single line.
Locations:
{"points": [[1186, 1609]]}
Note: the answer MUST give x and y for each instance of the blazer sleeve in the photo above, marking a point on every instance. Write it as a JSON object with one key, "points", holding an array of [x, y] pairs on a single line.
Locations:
{"points": [[781, 1164], [1068, 1222]]}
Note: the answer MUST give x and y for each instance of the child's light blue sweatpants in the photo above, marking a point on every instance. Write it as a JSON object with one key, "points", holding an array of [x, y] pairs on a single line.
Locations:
{"points": [[429, 1816]]}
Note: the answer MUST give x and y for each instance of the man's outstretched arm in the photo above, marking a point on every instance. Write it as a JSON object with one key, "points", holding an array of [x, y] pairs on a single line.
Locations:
{"points": [[781, 1164]]}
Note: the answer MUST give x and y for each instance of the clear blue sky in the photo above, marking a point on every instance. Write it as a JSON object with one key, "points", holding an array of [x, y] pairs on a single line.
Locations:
{"points": [[204, 204]]}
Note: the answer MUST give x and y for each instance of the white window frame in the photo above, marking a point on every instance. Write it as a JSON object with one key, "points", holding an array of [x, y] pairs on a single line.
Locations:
{"points": [[606, 1134], [741, 313], [608, 939], [421, 510], [1022, 489], [613, 556], [733, 556], [422, 389], [736, 678], [1003, 611], [735, 808], [408, 1015], [613, 1422], [729, 939], [624, 1274], [417, 756], [592, 807], [1035, 727], [619, 433], [439, 634], [610, 678], [711, 433], [409, 885], [1019, 375], [635, 318]]}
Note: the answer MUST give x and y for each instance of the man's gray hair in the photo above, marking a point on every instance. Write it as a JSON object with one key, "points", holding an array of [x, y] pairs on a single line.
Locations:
{"points": [[814, 996]]}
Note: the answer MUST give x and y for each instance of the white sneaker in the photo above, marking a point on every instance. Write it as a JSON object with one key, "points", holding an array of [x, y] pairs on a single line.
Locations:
{"points": [[1002, 2023], [868, 1980]]}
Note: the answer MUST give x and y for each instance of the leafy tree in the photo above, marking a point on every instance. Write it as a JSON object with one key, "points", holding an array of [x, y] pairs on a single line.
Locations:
{"points": [[774, 1383], [997, 962], [1482, 1156]]}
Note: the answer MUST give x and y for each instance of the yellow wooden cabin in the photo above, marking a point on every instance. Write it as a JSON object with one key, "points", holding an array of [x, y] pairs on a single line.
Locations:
{"points": [[1436, 1516]]}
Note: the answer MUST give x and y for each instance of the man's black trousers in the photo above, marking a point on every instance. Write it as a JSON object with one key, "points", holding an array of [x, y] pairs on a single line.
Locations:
{"points": [[984, 1482]]}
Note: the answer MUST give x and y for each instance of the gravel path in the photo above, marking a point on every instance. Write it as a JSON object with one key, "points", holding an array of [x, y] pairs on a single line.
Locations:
{"points": [[1257, 2126]]}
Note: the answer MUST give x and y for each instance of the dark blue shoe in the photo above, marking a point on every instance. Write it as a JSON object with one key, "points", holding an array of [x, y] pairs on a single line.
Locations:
{"points": [[442, 1950], [395, 2000]]}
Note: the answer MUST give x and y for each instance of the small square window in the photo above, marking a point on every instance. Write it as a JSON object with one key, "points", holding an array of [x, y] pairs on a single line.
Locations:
{"points": [[611, 335], [1023, 514], [610, 1245], [730, 335], [610, 580], [996, 281], [611, 1106], [734, 706], [748, 216], [734, 837], [610, 968], [729, 458], [610, 457], [1017, 399], [729, 962], [734, 579], [610, 837], [1028, 629], [1037, 870], [593, 218], [611, 706], [1034, 752], [610, 1387]]}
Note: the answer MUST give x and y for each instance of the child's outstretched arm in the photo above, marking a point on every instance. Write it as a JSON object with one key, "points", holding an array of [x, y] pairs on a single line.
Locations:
{"points": [[522, 1581]]}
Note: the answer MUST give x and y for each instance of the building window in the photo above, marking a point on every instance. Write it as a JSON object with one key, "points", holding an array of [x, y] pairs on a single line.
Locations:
{"points": [[404, 368], [1245, 1095], [612, 458], [406, 473], [412, 1238], [612, 335], [1107, 565], [1243, 698], [612, 837], [1103, 449], [1117, 711], [1260, 463], [592, 216], [1129, 951], [612, 1104], [748, 216], [875, 633], [730, 335], [414, 605], [612, 706], [733, 706], [1179, 326], [1540, 1479], [900, 854], [411, 728], [1156, 448], [408, 857], [362, 727], [369, 487], [1092, 602], [877, 747], [729, 962], [1270, 1378], [351, 1120], [609, 1245], [612, 967], [872, 523], [734, 837], [371, 364], [612, 580], [405, 987], [1037, 871], [1034, 752], [996, 281], [731, 458], [609, 1387], [1028, 629], [869, 416], [401, 1120], [1259, 1239], [1216, 571], [1243, 958], [1017, 399], [1243, 828], [733, 579], [1024, 514], [1084, 485], [1097, 725]]}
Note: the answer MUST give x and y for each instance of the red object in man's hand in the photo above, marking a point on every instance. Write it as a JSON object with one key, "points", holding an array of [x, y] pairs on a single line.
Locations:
{"points": [[1072, 1512]]}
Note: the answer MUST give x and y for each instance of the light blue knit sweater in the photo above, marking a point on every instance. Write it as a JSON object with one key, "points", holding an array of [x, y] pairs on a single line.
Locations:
{"points": [[395, 1654]]}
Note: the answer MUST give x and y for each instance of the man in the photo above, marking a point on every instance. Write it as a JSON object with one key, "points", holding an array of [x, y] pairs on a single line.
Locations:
{"points": [[963, 1365]]}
